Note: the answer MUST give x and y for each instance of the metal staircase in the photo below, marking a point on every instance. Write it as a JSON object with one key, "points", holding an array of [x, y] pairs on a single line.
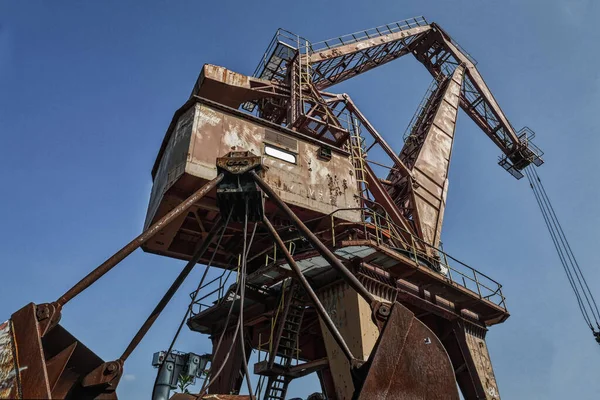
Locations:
{"points": [[309, 112], [284, 344]]}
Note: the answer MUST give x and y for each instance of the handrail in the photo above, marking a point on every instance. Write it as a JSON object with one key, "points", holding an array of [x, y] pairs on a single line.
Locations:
{"points": [[379, 227], [491, 288], [219, 284], [368, 33], [298, 43], [433, 86], [461, 49], [285, 38]]}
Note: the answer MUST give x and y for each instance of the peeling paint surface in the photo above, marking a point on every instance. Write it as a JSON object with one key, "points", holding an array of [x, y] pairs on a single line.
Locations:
{"points": [[479, 351], [172, 163], [311, 183], [432, 164], [203, 133], [8, 370], [352, 317]]}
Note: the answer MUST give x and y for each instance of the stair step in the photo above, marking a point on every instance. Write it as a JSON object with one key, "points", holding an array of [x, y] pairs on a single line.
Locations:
{"points": [[291, 338]]}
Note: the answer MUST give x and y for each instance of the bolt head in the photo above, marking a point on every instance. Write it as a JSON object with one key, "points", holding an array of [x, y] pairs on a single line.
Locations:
{"points": [[42, 312], [384, 310]]}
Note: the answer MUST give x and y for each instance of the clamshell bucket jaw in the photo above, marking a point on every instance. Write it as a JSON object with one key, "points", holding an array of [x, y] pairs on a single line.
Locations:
{"points": [[407, 362]]}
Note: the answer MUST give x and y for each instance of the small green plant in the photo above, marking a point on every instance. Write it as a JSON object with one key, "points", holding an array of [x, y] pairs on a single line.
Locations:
{"points": [[184, 382]]}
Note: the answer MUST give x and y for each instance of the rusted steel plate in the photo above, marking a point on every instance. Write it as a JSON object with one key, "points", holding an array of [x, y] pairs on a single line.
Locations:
{"points": [[315, 187], [408, 363], [433, 160], [30, 354], [8, 366]]}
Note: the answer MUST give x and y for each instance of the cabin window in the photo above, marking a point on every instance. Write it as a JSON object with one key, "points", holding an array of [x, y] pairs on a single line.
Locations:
{"points": [[280, 154]]}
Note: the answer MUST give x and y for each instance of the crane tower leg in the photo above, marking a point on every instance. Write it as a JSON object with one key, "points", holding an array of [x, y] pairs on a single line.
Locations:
{"points": [[471, 361], [230, 379], [352, 317], [427, 152]]}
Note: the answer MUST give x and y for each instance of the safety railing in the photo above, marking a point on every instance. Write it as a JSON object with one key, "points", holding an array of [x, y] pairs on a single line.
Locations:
{"points": [[526, 135], [531, 154], [369, 33], [461, 49], [380, 229], [212, 291], [285, 44], [282, 48], [422, 106]]}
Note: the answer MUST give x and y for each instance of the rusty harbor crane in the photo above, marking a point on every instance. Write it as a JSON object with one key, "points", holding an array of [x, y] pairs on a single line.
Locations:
{"points": [[336, 256]]}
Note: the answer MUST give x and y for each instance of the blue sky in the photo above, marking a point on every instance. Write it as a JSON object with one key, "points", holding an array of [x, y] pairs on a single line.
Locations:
{"points": [[87, 90]]}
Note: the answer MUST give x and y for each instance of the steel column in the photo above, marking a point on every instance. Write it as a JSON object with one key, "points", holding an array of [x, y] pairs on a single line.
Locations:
{"points": [[116, 258], [171, 291]]}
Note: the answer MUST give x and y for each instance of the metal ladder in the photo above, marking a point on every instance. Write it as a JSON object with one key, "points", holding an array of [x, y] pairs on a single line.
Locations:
{"points": [[306, 99], [359, 154], [300, 77], [285, 344]]}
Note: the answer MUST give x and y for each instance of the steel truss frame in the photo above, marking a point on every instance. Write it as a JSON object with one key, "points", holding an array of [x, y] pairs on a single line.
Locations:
{"points": [[289, 89], [309, 69], [53, 381]]}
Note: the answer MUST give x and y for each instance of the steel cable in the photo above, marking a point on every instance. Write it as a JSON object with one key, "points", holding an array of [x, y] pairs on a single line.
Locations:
{"points": [[570, 257], [559, 252], [577, 268], [210, 378], [206, 269], [579, 285], [243, 295]]}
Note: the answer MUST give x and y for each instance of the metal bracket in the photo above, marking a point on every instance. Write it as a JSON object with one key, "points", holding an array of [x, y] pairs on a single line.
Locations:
{"points": [[48, 316], [106, 375], [238, 188], [381, 313], [239, 162]]}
